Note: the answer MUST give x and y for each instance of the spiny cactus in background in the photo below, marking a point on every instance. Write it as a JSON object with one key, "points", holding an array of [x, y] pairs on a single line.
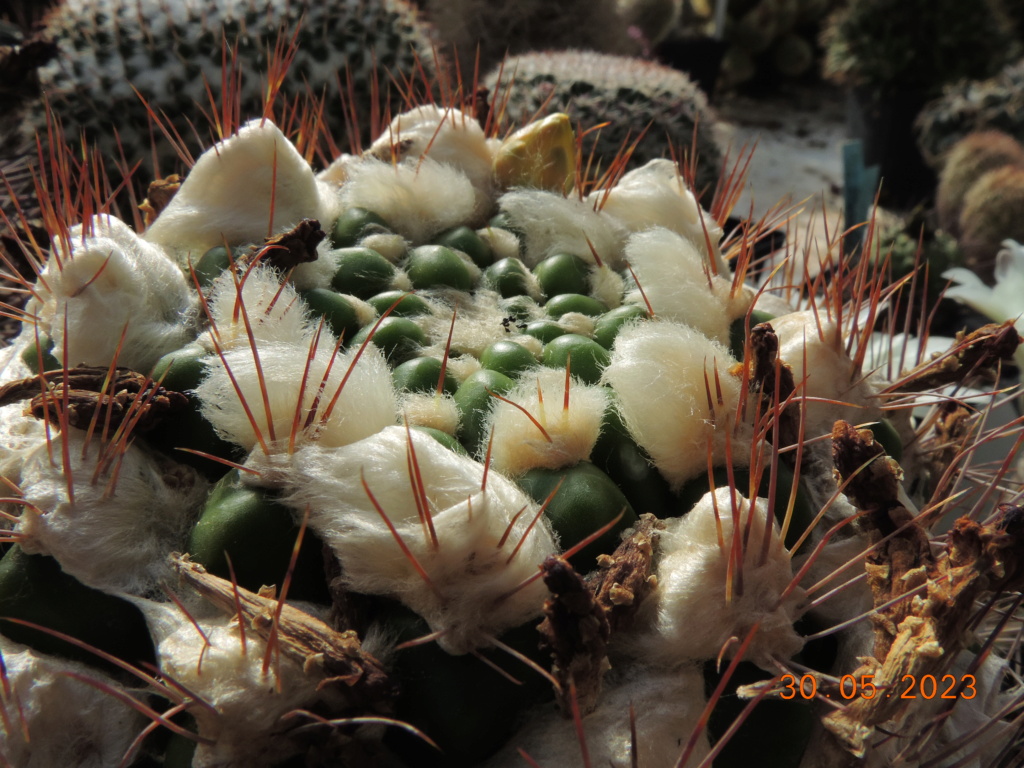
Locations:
{"points": [[528, 473], [991, 213], [973, 105], [915, 46], [172, 52], [969, 159], [497, 29], [766, 38], [630, 96]]}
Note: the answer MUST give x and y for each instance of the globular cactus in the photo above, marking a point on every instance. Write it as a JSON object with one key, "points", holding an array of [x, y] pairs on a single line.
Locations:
{"points": [[991, 213], [527, 472], [973, 105], [968, 160], [481, 33], [630, 95], [170, 53]]}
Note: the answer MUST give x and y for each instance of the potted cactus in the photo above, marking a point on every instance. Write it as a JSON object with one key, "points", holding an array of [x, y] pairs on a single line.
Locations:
{"points": [[894, 56]]}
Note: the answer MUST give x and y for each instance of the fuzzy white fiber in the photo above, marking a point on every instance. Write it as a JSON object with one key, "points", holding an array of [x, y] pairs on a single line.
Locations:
{"points": [[317, 273], [668, 706], [367, 402], [20, 433], [446, 136], [68, 722], [423, 409], [658, 372], [470, 573], [108, 539], [245, 719], [695, 616], [504, 244], [103, 279], [254, 306], [418, 198], [827, 372], [672, 272], [249, 186], [478, 322], [655, 195], [554, 224], [519, 445]]}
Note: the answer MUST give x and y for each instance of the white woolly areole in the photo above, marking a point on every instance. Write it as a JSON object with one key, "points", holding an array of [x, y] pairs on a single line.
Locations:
{"points": [[68, 721], [243, 189], [478, 323], [112, 538], [271, 391], [674, 276], [696, 616], [255, 307], [554, 224], [658, 371], [417, 198], [606, 285], [668, 707], [445, 135], [246, 727], [820, 364], [106, 278], [20, 433], [317, 273], [518, 444], [469, 571], [655, 195], [423, 409], [504, 244]]}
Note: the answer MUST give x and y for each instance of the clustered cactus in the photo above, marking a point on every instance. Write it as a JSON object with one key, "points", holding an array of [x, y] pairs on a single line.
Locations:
{"points": [[973, 105], [659, 109], [526, 472]]}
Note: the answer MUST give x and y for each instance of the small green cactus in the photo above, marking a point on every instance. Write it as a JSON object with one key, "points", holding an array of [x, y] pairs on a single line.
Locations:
{"points": [[991, 213], [970, 159], [629, 95]]}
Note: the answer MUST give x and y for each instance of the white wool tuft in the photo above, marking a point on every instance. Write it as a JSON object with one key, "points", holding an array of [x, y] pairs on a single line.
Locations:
{"points": [[672, 273], [695, 617], [606, 285], [417, 198], [478, 323], [504, 244], [447, 136], [20, 433], [106, 278], [230, 192], [668, 707], [578, 323], [519, 445], [367, 402], [470, 572], [317, 273], [554, 224], [391, 247], [112, 540], [655, 195], [428, 410], [260, 309], [246, 727], [658, 373], [828, 372], [68, 721]]}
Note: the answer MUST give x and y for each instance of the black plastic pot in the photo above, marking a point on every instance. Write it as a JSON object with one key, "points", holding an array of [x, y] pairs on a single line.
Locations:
{"points": [[884, 123]]}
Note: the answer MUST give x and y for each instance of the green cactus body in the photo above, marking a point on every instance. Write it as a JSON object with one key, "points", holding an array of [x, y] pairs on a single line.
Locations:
{"points": [[629, 94], [424, 459]]}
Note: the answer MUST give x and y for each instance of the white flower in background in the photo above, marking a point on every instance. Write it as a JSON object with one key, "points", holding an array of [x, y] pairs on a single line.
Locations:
{"points": [[1000, 302]]}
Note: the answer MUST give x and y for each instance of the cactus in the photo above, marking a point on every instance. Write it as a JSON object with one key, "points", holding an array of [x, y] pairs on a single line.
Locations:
{"points": [[171, 52], [890, 46], [618, 413], [482, 33], [991, 214], [969, 159], [629, 95], [973, 105]]}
